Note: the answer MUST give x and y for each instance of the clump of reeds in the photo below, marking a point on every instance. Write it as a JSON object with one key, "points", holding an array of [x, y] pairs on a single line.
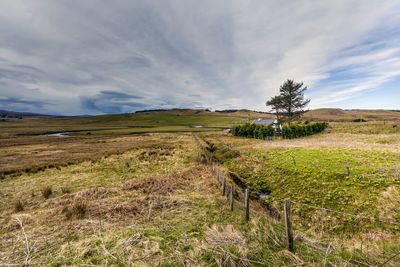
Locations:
{"points": [[65, 190], [79, 207], [46, 191], [18, 204]]}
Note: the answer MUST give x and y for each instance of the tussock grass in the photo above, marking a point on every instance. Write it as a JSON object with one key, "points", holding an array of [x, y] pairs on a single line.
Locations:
{"points": [[79, 207], [18, 204], [164, 209], [46, 191], [65, 190]]}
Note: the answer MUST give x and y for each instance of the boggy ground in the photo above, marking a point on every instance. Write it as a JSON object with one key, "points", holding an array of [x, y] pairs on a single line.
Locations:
{"points": [[34, 153], [156, 204]]}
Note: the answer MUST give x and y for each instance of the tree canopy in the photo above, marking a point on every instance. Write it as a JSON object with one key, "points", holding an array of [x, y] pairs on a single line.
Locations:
{"points": [[290, 104]]}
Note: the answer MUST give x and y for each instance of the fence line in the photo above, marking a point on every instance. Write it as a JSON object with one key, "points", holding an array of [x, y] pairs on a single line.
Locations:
{"points": [[230, 194], [316, 207]]}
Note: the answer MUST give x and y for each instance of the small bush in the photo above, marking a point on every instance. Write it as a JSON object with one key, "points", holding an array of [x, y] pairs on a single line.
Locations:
{"points": [[46, 191], [359, 120], [18, 204]]}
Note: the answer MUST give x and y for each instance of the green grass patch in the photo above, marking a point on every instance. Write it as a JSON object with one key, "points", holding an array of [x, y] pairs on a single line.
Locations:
{"points": [[326, 185], [387, 141]]}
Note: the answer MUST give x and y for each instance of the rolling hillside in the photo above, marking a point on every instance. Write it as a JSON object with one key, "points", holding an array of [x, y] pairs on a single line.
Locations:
{"points": [[335, 114]]}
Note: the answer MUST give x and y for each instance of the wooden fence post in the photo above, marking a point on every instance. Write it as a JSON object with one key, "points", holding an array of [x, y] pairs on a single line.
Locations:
{"points": [[231, 197], [397, 171], [294, 161], [247, 204], [288, 225], [224, 187], [277, 156], [347, 167]]}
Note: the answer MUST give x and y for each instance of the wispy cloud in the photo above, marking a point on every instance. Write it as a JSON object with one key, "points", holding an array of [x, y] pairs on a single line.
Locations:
{"points": [[79, 57]]}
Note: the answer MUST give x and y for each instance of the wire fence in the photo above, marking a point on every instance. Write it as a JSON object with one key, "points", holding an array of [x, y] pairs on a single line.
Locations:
{"points": [[304, 227]]}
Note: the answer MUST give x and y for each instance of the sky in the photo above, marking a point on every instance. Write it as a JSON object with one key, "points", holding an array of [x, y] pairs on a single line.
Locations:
{"points": [[74, 57]]}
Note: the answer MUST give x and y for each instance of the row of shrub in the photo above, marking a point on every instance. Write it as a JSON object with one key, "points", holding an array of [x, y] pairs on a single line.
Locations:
{"points": [[254, 131], [295, 131]]}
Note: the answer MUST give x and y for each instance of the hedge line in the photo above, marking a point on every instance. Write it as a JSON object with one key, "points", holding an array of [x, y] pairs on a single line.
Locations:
{"points": [[254, 131], [288, 132], [295, 131]]}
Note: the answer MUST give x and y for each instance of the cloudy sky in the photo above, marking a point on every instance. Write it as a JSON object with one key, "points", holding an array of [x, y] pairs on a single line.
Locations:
{"points": [[92, 57]]}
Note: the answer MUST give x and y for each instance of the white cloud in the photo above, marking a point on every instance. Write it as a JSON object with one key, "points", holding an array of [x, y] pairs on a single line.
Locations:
{"points": [[179, 53]]}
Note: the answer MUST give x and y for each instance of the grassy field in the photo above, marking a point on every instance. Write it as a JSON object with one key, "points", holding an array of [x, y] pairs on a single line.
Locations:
{"points": [[153, 205], [312, 173], [334, 114], [120, 197], [119, 124]]}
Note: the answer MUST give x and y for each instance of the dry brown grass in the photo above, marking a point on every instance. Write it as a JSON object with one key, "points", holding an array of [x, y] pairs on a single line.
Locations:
{"points": [[18, 204], [162, 185], [35, 153], [349, 115], [332, 140], [79, 207], [46, 191]]}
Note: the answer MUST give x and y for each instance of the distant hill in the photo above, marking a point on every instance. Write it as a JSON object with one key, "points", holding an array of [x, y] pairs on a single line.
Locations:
{"points": [[243, 113], [15, 114], [336, 114], [332, 114]]}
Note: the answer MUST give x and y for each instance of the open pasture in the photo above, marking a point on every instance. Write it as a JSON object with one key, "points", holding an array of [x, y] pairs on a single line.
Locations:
{"points": [[121, 123]]}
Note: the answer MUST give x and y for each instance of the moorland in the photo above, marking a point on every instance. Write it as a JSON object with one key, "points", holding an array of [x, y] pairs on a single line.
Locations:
{"points": [[134, 189]]}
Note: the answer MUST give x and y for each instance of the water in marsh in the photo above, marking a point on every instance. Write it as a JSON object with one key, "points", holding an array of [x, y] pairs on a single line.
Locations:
{"points": [[56, 134]]}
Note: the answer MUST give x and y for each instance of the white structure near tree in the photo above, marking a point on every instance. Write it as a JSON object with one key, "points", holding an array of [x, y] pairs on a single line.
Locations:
{"points": [[268, 122], [264, 122]]}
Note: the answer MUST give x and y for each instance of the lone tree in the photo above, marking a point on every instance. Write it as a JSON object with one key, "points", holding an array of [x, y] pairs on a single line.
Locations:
{"points": [[290, 104]]}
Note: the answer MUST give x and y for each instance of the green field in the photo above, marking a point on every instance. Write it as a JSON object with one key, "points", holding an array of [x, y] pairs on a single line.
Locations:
{"points": [[117, 124]]}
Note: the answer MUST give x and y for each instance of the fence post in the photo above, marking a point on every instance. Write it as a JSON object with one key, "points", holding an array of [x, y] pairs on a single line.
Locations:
{"points": [[231, 197], [288, 225], [294, 161], [224, 187], [247, 204], [316, 162], [347, 167], [277, 156], [397, 171]]}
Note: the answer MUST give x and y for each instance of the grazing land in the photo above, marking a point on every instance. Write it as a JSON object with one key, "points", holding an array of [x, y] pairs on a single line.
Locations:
{"points": [[334, 114], [166, 121], [145, 196]]}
